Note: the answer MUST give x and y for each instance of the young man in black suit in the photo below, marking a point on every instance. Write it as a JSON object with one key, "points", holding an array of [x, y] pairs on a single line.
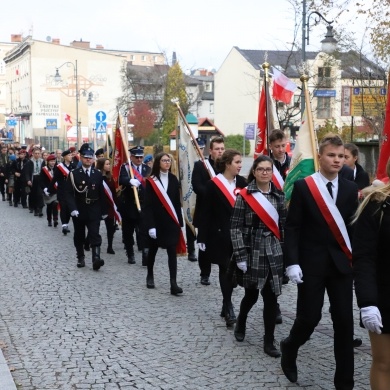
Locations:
{"points": [[318, 258], [201, 174]]}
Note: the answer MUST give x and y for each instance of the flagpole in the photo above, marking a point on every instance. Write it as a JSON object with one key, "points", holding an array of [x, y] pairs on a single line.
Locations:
{"points": [[304, 79], [266, 66], [131, 173], [191, 134]]}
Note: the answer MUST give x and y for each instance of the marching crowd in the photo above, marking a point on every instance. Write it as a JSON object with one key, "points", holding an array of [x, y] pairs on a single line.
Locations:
{"points": [[331, 235]]}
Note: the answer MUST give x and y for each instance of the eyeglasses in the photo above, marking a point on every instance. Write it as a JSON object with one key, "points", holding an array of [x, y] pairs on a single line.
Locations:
{"points": [[138, 157], [262, 170], [166, 160]]}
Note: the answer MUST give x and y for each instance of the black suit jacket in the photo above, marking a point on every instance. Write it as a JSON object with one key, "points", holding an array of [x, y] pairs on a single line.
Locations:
{"points": [[308, 239], [199, 179], [60, 179]]}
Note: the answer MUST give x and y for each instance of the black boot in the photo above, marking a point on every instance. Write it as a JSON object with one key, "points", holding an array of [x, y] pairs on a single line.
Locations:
{"points": [[149, 280], [49, 222], [110, 250], [97, 262], [230, 317], [55, 223], [145, 252], [80, 258], [289, 359], [192, 255], [130, 254], [240, 328], [269, 347], [175, 289]]}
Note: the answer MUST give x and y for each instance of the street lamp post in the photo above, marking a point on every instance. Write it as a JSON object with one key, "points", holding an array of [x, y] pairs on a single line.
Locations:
{"points": [[305, 39]]}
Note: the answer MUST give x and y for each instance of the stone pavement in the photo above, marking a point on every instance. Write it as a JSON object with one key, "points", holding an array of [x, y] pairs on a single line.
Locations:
{"points": [[68, 328]]}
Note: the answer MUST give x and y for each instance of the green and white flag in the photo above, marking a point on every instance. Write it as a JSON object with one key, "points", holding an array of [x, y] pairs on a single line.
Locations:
{"points": [[302, 161]]}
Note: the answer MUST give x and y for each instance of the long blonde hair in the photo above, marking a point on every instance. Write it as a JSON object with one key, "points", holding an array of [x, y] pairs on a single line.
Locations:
{"points": [[374, 193]]}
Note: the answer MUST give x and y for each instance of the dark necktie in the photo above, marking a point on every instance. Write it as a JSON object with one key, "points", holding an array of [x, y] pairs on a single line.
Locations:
{"points": [[87, 172], [36, 166], [329, 186]]}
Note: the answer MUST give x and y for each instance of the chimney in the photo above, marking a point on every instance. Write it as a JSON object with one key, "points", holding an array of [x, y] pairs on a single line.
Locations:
{"points": [[16, 37], [99, 47], [56, 41], [80, 44]]}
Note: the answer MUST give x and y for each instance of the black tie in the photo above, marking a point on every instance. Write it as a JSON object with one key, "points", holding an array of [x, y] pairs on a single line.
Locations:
{"points": [[87, 172], [329, 186]]}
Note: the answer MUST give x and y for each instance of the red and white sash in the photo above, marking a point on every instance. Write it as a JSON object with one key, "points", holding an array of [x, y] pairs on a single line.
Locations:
{"points": [[264, 209], [209, 167], [167, 203], [277, 179], [49, 175], [136, 174], [330, 212], [222, 183], [111, 200], [62, 167]]}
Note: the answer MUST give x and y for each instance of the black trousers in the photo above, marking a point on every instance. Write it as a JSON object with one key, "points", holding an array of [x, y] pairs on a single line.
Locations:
{"points": [[36, 195], [19, 193], [204, 264], [110, 227], [64, 212], [191, 238], [172, 259], [52, 211], [92, 226], [309, 310], [2, 185]]}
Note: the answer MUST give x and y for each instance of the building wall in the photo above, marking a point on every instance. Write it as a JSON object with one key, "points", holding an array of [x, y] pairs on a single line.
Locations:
{"points": [[236, 94]]}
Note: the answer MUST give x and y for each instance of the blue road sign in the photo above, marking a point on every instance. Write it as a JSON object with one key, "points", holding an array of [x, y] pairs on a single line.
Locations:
{"points": [[11, 122], [101, 116], [51, 124], [101, 127]]}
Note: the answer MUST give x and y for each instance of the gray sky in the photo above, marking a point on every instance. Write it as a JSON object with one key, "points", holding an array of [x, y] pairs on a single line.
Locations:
{"points": [[202, 32]]}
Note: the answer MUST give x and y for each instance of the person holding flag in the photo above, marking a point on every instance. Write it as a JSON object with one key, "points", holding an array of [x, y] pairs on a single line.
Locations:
{"points": [[131, 216], [318, 257], [163, 218]]}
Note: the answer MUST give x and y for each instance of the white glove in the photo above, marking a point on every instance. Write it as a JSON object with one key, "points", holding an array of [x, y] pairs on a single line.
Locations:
{"points": [[242, 266], [47, 193], [152, 233], [201, 246], [135, 182], [294, 273], [74, 213], [372, 319]]}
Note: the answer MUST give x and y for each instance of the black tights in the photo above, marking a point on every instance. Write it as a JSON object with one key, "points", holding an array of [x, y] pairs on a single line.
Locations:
{"points": [[226, 284], [269, 312], [172, 259]]}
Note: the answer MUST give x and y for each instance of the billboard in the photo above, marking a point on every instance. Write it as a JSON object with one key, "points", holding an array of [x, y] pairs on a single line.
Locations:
{"points": [[363, 101]]}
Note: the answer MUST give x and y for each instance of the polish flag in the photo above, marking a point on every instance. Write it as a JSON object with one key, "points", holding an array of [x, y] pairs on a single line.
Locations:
{"points": [[283, 88], [67, 118]]}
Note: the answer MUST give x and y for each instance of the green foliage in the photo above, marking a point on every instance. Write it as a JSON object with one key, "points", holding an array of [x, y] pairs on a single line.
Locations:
{"points": [[329, 127], [175, 89], [236, 142]]}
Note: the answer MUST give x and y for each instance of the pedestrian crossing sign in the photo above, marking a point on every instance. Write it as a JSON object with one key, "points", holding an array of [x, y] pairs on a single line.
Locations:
{"points": [[101, 127]]}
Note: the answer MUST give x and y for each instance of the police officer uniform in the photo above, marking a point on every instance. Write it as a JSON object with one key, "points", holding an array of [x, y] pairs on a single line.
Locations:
{"points": [[86, 199], [131, 218]]}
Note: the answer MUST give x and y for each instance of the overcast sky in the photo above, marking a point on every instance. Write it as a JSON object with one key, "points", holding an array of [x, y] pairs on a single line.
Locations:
{"points": [[202, 32]]}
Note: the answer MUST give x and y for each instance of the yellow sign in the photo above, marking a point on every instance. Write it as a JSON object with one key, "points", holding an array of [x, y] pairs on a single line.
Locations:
{"points": [[368, 101]]}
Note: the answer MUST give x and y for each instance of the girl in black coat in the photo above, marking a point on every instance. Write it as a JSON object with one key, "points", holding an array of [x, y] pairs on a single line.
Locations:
{"points": [[371, 269], [361, 177], [214, 223], [163, 217]]}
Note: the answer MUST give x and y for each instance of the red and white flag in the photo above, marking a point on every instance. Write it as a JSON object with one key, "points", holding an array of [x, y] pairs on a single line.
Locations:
{"points": [[384, 153], [283, 88], [119, 155], [67, 118]]}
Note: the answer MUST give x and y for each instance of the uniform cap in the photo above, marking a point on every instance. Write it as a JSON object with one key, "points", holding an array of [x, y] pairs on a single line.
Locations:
{"points": [[148, 158], [65, 153], [201, 143], [137, 151]]}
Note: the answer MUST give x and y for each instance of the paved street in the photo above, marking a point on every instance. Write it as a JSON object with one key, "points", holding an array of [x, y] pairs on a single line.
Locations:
{"points": [[68, 328]]}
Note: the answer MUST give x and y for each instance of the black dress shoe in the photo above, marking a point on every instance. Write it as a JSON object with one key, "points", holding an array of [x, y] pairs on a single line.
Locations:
{"points": [[204, 280], [289, 361], [55, 223], [49, 223], [230, 317], [80, 262], [278, 318], [110, 250], [97, 263], [149, 281], [357, 342], [270, 349], [64, 231], [192, 256], [240, 328], [131, 259]]}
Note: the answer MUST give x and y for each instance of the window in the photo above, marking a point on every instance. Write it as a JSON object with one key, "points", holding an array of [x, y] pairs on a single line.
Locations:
{"points": [[208, 87], [143, 58], [324, 77], [324, 110], [155, 58], [132, 57], [211, 108]]}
